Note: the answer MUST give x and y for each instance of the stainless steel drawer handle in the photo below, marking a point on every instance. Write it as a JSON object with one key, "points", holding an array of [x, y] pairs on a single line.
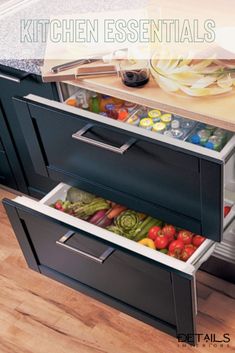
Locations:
{"points": [[62, 242], [120, 150], [10, 78]]}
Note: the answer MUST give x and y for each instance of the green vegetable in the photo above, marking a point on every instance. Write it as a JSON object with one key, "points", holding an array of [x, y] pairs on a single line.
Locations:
{"points": [[164, 251], [115, 230], [66, 205], [142, 231], [127, 220], [76, 195], [74, 205], [97, 204]]}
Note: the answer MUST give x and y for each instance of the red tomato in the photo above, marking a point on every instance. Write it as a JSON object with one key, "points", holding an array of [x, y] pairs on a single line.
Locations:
{"points": [[161, 241], [59, 205], [169, 231], [227, 209], [187, 252], [153, 232], [198, 240], [176, 247], [185, 236], [176, 256]]}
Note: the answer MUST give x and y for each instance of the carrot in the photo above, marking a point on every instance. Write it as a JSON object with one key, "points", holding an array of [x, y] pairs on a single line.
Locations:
{"points": [[72, 101], [115, 211]]}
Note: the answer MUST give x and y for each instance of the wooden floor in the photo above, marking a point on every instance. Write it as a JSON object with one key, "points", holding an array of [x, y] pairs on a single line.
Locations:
{"points": [[38, 315]]}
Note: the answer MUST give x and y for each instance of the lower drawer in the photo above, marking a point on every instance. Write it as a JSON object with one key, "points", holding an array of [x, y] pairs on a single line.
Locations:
{"points": [[146, 280]]}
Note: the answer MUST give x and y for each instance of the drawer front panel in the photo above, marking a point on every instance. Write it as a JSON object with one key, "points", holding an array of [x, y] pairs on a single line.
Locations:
{"points": [[121, 276], [175, 181]]}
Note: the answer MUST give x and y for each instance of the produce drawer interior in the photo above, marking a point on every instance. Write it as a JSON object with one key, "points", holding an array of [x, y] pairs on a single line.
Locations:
{"points": [[161, 122], [130, 225]]}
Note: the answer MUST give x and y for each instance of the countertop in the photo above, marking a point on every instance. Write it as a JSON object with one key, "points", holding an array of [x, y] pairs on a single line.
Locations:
{"points": [[12, 50]]}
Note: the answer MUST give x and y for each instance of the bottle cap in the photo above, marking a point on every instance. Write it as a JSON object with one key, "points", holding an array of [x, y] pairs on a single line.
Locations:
{"points": [[166, 118], [154, 113], [175, 124], [146, 122], [159, 127], [209, 145], [195, 139]]}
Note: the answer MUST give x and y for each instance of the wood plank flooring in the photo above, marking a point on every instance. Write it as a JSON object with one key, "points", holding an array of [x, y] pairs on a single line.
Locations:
{"points": [[39, 315]]}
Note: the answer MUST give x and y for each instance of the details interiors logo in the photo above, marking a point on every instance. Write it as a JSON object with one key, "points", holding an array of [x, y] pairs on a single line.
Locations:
{"points": [[204, 339]]}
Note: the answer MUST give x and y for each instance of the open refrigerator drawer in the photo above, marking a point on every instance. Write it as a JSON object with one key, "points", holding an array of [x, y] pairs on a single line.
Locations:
{"points": [[109, 263], [174, 179]]}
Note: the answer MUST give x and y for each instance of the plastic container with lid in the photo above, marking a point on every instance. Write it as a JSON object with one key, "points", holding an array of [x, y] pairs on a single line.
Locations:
{"points": [[133, 120], [166, 118], [159, 127], [155, 115], [146, 123], [176, 130]]}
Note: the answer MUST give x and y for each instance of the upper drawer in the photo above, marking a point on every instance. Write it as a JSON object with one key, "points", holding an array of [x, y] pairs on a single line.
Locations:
{"points": [[172, 179]]}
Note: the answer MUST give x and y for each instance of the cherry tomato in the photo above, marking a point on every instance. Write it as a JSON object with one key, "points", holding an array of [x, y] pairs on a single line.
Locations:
{"points": [[185, 236], [161, 241], [176, 247], [187, 252], [198, 240], [153, 232], [169, 231], [59, 205], [227, 209]]}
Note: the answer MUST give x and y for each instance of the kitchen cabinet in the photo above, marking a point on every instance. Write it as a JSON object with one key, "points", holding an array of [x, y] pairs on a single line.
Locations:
{"points": [[10, 171], [14, 82], [6, 175], [172, 180]]}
